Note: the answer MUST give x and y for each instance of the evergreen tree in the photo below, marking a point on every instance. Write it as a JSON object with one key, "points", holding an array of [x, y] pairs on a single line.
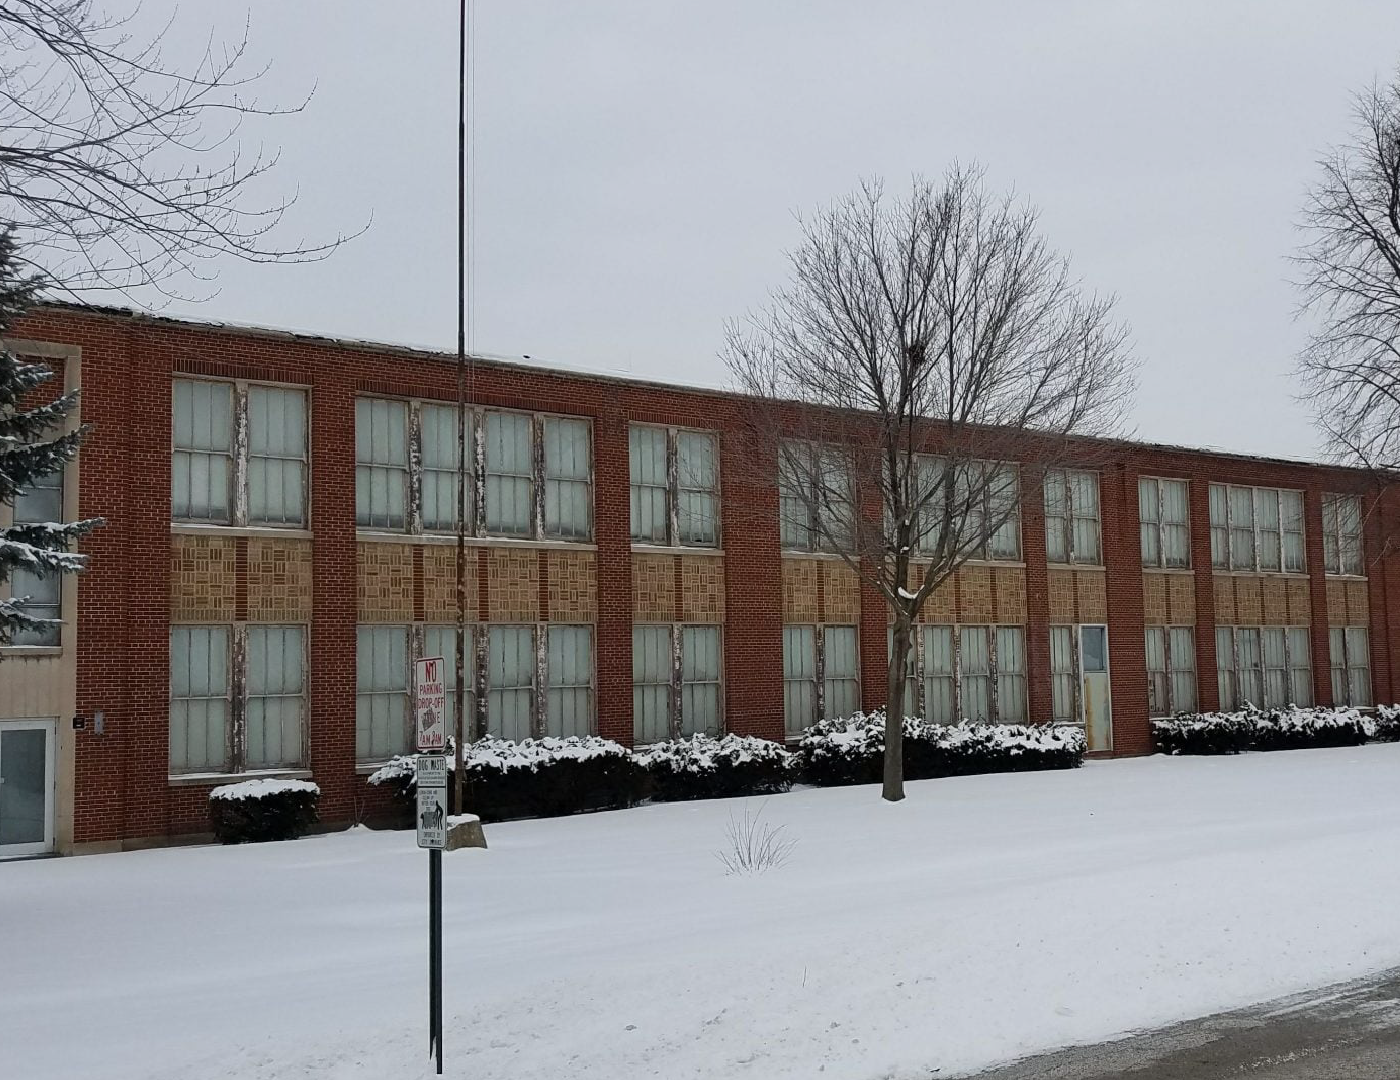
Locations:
{"points": [[26, 455]]}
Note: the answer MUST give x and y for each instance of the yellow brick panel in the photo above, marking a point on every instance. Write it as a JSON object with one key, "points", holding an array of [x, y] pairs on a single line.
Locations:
{"points": [[1155, 611], [841, 594], [1181, 598], [653, 588], [702, 589], [1060, 590], [513, 585], [279, 580], [440, 584], [1275, 601], [800, 590], [942, 604], [975, 594], [1091, 592], [1299, 602], [573, 586], [203, 575], [384, 586], [1011, 594], [1224, 599], [1358, 604], [1249, 604]]}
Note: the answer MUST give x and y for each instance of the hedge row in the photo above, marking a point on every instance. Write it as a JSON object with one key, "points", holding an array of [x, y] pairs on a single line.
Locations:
{"points": [[256, 810], [1273, 729], [547, 777]]}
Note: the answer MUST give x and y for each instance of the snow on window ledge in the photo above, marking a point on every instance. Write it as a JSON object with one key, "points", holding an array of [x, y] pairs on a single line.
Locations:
{"points": [[201, 779]]}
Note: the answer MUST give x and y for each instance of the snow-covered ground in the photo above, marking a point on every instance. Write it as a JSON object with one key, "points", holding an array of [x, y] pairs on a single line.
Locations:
{"points": [[981, 919]]}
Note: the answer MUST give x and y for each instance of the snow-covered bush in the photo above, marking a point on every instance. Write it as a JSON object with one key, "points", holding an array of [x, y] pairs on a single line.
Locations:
{"points": [[534, 777], [255, 810], [1384, 726], [1292, 728], [703, 767], [851, 750]]}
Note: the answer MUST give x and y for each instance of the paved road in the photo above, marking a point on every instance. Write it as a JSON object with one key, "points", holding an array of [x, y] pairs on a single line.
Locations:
{"points": [[1347, 1032]]}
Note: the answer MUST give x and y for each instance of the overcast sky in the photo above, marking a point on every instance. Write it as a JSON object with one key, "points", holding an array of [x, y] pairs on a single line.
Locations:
{"points": [[637, 165]]}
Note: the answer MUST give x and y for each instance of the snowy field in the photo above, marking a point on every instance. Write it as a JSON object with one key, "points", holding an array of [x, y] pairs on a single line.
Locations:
{"points": [[980, 920]]}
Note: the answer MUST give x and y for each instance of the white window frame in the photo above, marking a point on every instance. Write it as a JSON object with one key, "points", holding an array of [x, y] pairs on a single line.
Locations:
{"points": [[1152, 493], [1349, 649], [239, 455], [1065, 521], [676, 535], [997, 679], [1222, 533], [1338, 562], [542, 477], [1178, 661], [235, 759], [1231, 647]]}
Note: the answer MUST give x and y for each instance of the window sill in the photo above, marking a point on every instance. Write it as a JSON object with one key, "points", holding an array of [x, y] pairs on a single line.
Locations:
{"points": [[380, 536], [208, 779], [1075, 566], [829, 556], [193, 528], [1345, 577], [366, 768], [19, 652], [1301, 575], [675, 549], [1184, 571]]}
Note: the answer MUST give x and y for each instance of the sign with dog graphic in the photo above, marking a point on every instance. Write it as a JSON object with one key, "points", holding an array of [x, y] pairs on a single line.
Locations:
{"points": [[432, 801]]}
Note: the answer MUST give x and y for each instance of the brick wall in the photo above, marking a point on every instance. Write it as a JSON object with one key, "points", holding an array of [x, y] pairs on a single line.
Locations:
{"points": [[142, 576]]}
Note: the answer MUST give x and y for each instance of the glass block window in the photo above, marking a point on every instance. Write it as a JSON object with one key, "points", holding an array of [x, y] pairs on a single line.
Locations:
{"points": [[1350, 648], [201, 692], [202, 460], [1341, 534], [1163, 513]]}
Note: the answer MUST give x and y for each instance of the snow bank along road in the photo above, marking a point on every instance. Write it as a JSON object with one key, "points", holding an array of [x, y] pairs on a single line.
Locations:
{"points": [[982, 919]]}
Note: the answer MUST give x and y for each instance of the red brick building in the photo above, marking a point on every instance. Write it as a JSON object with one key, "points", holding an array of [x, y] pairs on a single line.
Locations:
{"points": [[278, 548]]}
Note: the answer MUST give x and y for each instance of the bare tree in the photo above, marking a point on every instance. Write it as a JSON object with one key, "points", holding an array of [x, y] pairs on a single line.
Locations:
{"points": [[923, 348], [121, 170], [1350, 283]]}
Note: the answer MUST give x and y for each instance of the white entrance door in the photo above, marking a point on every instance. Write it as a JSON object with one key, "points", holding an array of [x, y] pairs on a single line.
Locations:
{"points": [[1094, 691], [26, 787]]}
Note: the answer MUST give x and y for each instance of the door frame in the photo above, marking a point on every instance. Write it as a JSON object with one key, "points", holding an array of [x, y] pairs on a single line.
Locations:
{"points": [[50, 728], [1107, 674]]}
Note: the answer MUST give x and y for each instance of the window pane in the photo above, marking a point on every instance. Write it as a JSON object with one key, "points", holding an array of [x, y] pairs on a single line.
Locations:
{"points": [[939, 701], [974, 669], [202, 453], [1158, 699], [510, 665], [568, 485], [700, 680], [276, 456], [697, 470], [437, 425], [41, 501], [1358, 666], [1242, 528], [799, 677], [1300, 665], [1276, 688], [1011, 675], [841, 669], [1062, 674], [1182, 643], [441, 640], [1250, 671], [1004, 513], [1149, 525], [509, 474], [199, 698], [1093, 644], [1291, 508], [381, 692], [569, 708], [1219, 530], [1056, 517], [276, 679], [44, 594], [834, 503], [381, 463], [646, 456], [1266, 514], [651, 683]]}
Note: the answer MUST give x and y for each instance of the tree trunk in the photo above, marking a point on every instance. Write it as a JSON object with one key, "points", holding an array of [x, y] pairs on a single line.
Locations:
{"points": [[894, 713]]}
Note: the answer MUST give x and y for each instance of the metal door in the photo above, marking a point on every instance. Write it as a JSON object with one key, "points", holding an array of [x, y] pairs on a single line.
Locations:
{"points": [[1095, 693], [26, 787]]}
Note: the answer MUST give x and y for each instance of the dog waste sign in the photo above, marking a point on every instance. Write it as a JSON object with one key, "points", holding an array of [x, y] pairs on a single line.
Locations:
{"points": [[430, 704], [432, 801]]}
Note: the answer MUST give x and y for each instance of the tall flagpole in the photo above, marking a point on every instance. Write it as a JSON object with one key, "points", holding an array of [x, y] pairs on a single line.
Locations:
{"points": [[461, 688]]}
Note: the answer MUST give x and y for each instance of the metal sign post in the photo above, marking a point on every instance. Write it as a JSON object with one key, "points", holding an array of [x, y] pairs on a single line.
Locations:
{"points": [[432, 834]]}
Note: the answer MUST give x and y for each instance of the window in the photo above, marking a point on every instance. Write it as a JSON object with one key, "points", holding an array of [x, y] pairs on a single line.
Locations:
{"points": [[276, 696], [219, 478], [1351, 666], [1072, 517], [569, 671], [674, 486], [986, 499], [821, 674], [1163, 512], [966, 672], [676, 681], [201, 689], [510, 681], [41, 501], [382, 674], [1268, 666], [840, 672], [1171, 670], [237, 697], [799, 678], [816, 499], [1256, 529], [529, 476], [440, 639], [1064, 681], [1341, 534]]}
